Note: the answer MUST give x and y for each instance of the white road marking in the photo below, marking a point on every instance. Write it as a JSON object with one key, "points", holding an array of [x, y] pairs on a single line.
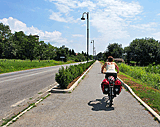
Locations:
{"points": [[19, 102], [18, 77]]}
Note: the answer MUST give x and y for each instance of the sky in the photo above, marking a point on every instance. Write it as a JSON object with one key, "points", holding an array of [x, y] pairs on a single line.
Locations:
{"points": [[59, 21]]}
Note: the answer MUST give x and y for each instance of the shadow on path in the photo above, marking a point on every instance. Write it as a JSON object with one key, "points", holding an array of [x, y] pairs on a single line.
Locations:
{"points": [[101, 104]]}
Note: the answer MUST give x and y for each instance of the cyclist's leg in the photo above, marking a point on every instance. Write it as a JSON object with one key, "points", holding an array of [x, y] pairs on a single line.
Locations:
{"points": [[107, 75], [114, 75]]}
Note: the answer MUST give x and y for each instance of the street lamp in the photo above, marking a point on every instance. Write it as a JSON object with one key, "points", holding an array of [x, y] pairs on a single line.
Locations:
{"points": [[93, 47], [87, 30], [95, 55]]}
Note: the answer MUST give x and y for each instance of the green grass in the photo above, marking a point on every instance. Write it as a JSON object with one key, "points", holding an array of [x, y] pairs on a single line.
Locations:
{"points": [[150, 96], [17, 65], [83, 77], [151, 79]]}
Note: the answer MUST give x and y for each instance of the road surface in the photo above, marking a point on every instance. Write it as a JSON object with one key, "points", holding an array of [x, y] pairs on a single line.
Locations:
{"points": [[17, 88]]}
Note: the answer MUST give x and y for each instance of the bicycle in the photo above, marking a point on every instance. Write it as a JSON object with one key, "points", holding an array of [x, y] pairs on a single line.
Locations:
{"points": [[112, 87]]}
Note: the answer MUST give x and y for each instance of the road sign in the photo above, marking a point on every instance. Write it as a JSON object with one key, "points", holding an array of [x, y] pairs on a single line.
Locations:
{"points": [[62, 57]]}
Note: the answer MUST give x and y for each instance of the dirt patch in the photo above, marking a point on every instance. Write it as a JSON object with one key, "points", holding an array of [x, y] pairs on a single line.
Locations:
{"points": [[135, 85], [132, 84], [70, 84]]}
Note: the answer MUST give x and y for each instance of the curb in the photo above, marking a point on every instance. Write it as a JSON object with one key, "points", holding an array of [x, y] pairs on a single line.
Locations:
{"points": [[142, 102], [54, 90]]}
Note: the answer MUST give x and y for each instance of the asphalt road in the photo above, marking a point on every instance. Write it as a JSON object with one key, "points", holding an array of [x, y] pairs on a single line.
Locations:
{"points": [[17, 88], [86, 106]]}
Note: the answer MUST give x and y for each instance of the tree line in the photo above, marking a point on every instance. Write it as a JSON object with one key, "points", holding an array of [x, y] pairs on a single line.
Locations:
{"points": [[21, 46], [114, 50], [143, 51]]}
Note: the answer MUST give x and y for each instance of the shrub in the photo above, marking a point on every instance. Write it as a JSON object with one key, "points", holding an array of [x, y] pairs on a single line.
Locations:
{"points": [[60, 77], [65, 76]]}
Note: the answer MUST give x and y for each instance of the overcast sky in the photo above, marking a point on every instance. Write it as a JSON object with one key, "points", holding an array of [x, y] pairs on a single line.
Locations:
{"points": [[59, 21]]}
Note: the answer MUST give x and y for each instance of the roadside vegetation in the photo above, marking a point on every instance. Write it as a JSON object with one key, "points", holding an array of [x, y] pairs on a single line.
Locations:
{"points": [[144, 74], [66, 75], [144, 82], [17, 65]]}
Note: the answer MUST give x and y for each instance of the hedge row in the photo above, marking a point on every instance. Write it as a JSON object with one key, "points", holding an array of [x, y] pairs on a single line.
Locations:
{"points": [[151, 79], [66, 76]]}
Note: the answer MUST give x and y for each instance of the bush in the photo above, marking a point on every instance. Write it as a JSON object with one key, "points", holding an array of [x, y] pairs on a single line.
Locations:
{"points": [[66, 76]]}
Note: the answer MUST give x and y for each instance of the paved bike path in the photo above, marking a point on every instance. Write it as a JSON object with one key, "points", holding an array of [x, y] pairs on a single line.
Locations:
{"points": [[86, 107]]}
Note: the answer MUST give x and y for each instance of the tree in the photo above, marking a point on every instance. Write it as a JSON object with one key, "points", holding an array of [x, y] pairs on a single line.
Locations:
{"points": [[73, 53], [143, 50], [114, 50], [128, 51], [4, 30], [32, 47], [100, 56], [20, 40], [26, 46], [62, 52], [5, 34], [51, 51]]}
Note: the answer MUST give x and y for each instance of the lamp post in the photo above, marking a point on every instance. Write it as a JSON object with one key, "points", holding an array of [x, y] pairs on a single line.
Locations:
{"points": [[87, 30], [93, 48], [95, 54]]}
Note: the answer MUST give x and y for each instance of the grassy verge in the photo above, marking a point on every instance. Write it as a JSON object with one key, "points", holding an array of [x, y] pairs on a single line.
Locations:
{"points": [[139, 73], [17, 65], [147, 93]]}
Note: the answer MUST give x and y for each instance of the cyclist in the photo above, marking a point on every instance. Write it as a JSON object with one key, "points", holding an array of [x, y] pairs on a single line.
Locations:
{"points": [[110, 68]]}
